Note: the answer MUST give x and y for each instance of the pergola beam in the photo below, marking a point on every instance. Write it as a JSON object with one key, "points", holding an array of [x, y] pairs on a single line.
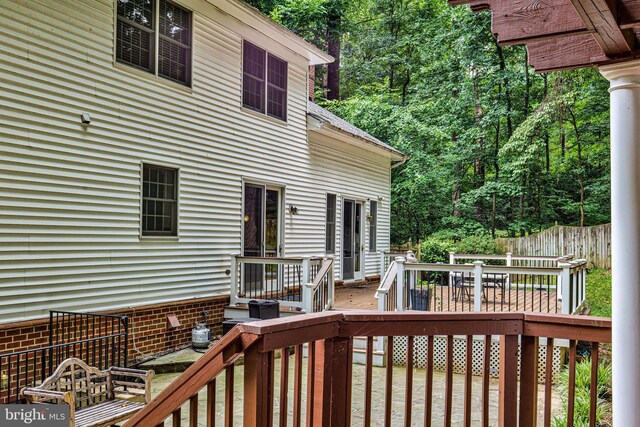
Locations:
{"points": [[601, 17], [565, 53]]}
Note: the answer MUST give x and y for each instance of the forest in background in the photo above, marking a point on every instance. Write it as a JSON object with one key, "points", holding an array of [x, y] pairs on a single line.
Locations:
{"points": [[495, 149]]}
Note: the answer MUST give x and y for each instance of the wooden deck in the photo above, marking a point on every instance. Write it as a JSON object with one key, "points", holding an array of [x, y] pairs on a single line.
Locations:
{"points": [[536, 301]]}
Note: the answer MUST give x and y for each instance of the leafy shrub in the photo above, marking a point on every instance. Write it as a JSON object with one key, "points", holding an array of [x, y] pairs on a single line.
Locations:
{"points": [[436, 249], [583, 397]]}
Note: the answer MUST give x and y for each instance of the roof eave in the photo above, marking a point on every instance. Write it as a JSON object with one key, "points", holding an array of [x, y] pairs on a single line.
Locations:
{"points": [[256, 19]]}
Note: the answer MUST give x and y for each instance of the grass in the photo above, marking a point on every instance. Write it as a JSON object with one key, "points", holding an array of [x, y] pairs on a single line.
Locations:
{"points": [[582, 395], [599, 292]]}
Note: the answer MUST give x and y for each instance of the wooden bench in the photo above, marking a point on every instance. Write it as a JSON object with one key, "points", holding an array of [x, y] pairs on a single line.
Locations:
{"points": [[95, 398]]}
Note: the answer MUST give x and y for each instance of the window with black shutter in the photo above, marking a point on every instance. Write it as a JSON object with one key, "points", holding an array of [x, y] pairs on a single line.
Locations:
{"points": [[264, 80], [330, 229], [373, 226], [155, 36], [159, 201]]}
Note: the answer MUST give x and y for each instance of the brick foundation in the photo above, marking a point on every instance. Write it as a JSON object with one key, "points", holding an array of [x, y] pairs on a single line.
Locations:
{"points": [[148, 333]]}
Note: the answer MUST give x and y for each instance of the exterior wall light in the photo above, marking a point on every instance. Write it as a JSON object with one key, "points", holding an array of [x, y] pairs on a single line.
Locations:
{"points": [[293, 210], [85, 118]]}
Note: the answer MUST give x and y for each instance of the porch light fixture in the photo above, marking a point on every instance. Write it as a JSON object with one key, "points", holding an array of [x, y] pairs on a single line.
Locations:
{"points": [[85, 118], [293, 210]]}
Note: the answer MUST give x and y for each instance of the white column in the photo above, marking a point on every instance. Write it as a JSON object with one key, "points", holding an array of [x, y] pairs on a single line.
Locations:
{"points": [[625, 238], [400, 284]]}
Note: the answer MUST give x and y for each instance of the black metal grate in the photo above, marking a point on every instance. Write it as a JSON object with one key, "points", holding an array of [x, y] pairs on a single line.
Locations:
{"points": [[159, 200]]}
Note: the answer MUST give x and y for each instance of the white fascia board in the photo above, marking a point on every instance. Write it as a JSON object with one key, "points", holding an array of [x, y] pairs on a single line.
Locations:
{"points": [[329, 131], [252, 17]]}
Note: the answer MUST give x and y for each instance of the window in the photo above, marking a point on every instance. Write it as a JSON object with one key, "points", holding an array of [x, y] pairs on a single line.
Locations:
{"points": [[159, 201], [264, 82], [155, 36], [373, 226], [330, 230]]}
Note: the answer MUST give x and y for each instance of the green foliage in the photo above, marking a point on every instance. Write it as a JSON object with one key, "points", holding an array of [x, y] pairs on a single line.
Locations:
{"points": [[436, 249], [493, 146], [598, 296], [582, 395]]}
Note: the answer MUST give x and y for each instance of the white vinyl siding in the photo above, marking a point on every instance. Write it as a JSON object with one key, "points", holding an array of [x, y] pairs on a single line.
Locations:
{"points": [[70, 194]]}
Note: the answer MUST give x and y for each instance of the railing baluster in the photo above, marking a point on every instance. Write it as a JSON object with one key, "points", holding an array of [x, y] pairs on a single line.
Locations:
{"points": [[388, 383], [311, 363], [177, 418], [595, 348], [508, 389], [571, 399], [486, 376], [297, 387], [228, 395], [211, 403], [368, 382], [448, 398], [528, 381], [193, 411], [284, 385], [548, 380], [409, 383], [468, 368], [428, 390]]}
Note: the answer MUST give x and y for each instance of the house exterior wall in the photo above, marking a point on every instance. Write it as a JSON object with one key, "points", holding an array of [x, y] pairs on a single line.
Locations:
{"points": [[70, 194]]}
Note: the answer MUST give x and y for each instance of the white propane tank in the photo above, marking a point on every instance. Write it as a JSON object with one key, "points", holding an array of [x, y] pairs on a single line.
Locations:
{"points": [[200, 336]]}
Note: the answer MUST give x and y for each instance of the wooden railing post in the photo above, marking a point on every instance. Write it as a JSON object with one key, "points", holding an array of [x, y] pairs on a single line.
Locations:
{"points": [[509, 263], [332, 382], [233, 277], [307, 297], [306, 270], [477, 285], [400, 284], [508, 383], [452, 261], [528, 381], [564, 289], [258, 388], [331, 281]]}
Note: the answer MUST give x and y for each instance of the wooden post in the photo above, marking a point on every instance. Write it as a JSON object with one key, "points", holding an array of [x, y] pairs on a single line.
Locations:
{"points": [[528, 381], [306, 269], [565, 284], [477, 285], [331, 281], [258, 388], [332, 379], [233, 277], [400, 284], [508, 387], [452, 261], [307, 297]]}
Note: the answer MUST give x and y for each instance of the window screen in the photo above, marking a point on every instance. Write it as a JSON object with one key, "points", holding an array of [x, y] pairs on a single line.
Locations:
{"points": [[277, 88], [135, 33], [159, 201], [253, 70], [264, 79], [174, 50], [373, 226], [330, 238], [137, 23]]}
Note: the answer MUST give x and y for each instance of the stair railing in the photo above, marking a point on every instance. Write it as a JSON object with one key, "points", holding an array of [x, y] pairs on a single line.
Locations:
{"points": [[318, 295]]}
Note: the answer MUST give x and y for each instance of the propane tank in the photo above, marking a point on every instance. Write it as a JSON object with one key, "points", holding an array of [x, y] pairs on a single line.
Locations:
{"points": [[200, 336]]}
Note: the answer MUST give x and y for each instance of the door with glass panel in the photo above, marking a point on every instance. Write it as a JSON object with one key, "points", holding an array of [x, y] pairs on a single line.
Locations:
{"points": [[352, 247], [261, 234]]}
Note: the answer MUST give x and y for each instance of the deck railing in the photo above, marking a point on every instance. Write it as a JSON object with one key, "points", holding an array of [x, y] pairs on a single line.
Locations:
{"points": [[479, 287], [322, 393], [286, 280]]}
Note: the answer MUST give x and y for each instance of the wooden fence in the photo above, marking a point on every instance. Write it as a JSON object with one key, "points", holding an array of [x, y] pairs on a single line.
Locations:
{"points": [[590, 243]]}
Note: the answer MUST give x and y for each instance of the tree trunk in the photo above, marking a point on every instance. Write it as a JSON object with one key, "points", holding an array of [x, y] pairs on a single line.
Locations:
{"points": [[333, 48]]}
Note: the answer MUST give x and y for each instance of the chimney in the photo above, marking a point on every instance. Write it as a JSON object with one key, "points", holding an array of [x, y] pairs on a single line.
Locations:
{"points": [[312, 83]]}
